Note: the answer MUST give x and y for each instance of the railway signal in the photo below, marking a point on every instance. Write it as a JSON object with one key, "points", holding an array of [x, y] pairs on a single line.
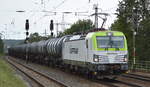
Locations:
{"points": [[27, 33], [27, 38], [27, 25], [51, 27], [52, 34], [27, 29]]}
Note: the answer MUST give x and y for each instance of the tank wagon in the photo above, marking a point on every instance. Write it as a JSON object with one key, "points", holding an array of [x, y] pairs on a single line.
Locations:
{"points": [[102, 53]]}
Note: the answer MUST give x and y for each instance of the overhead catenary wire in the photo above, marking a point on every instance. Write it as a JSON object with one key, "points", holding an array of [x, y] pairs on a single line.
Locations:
{"points": [[54, 8], [59, 4]]}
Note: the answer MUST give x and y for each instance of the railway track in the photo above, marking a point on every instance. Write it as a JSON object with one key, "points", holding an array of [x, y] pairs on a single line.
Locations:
{"points": [[41, 79], [73, 80], [134, 80], [139, 77], [127, 80]]}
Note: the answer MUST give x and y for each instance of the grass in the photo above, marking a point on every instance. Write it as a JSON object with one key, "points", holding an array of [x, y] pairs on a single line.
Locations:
{"points": [[8, 77], [2, 54]]}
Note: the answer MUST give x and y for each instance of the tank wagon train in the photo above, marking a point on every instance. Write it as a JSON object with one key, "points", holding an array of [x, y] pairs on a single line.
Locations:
{"points": [[100, 53]]}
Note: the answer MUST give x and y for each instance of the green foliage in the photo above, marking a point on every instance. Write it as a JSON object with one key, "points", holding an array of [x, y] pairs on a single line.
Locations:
{"points": [[79, 26], [133, 15], [143, 40], [35, 37]]}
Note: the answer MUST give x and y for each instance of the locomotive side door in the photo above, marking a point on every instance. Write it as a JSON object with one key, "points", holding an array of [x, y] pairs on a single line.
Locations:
{"points": [[87, 50]]}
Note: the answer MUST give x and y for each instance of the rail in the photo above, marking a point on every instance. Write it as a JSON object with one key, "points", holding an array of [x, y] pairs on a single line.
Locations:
{"points": [[29, 71]]}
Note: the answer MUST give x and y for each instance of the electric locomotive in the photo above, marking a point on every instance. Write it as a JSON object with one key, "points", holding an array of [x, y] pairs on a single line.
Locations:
{"points": [[103, 53]]}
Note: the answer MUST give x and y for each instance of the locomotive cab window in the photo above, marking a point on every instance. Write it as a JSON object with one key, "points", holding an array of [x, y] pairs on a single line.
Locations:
{"points": [[110, 41]]}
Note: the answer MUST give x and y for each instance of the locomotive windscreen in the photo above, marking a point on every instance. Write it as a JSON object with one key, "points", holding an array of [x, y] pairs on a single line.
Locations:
{"points": [[110, 41]]}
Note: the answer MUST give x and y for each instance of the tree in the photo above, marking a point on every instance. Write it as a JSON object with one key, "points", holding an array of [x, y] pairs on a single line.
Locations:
{"points": [[134, 16], [143, 40], [35, 37], [79, 26], [143, 33]]}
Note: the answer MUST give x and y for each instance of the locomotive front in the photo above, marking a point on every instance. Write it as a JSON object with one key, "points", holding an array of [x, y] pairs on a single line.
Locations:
{"points": [[108, 52]]}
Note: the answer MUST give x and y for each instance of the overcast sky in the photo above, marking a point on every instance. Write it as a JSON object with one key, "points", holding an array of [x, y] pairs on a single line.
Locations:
{"points": [[39, 13]]}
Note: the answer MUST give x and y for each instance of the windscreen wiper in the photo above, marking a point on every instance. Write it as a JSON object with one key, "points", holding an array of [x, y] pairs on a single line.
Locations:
{"points": [[115, 46]]}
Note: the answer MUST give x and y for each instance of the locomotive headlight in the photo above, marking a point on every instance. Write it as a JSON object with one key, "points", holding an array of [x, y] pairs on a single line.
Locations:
{"points": [[125, 58], [95, 58]]}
